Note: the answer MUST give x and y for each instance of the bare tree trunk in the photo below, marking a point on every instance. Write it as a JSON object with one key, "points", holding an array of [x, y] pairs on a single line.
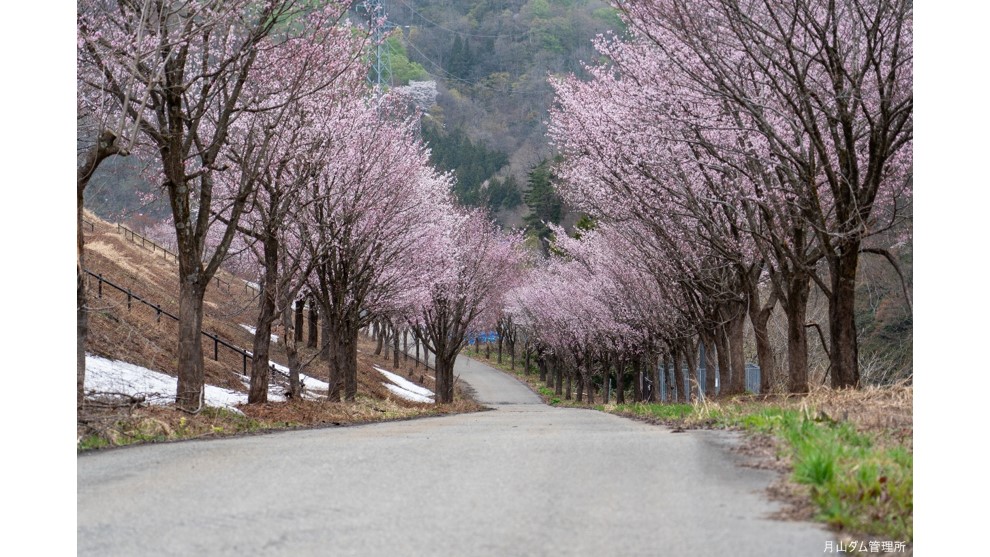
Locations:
{"points": [[737, 357], [670, 379], [711, 365], [342, 344], [380, 338], [292, 350], [796, 308], [620, 381], [326, 327], [844, 347], [416, 343], [190, 385], [258, 391], [105, 147], [558, 369], [759, 316], [580, 371], [395, 345], [691, 360], [733, 315], [526, 348], [313, 342], [445, 358], [567, 387], [589, 376], [722, 356], [299, 320]]}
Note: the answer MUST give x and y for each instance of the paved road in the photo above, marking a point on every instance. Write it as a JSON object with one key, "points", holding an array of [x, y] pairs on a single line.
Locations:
{"points": [[522, 479]]}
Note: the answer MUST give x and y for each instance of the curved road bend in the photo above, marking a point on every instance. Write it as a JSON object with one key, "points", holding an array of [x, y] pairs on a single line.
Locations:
{"points": [[523, 479]]}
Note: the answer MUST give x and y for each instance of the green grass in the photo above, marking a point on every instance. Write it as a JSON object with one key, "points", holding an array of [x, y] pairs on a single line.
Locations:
{"points": [[857, 483], [662, 412]]}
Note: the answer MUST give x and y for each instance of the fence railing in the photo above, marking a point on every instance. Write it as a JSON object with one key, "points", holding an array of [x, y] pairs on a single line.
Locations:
{"points": [[146, 243], [88, 224], [685, 380], [155, 247], [238, 353]]}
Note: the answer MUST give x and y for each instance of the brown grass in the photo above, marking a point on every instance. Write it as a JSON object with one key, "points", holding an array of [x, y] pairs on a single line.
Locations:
{"points": [[137, 335]]}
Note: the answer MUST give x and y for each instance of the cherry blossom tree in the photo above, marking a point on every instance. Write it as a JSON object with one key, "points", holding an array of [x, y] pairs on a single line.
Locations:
{"points": [[377, 217], [277, 147], [190, 64], [472, 274], [741, 163], [827, 88]]}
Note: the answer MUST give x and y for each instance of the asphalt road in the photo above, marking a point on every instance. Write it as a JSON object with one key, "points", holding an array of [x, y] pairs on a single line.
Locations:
{"points": [[522, 479]]}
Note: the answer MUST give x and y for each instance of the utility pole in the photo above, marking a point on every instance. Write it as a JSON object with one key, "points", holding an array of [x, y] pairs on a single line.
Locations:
{"points": [[381, 71]]}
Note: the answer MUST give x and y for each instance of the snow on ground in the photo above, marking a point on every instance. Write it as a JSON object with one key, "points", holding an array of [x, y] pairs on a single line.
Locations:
{"points": [[408, 395], [115, 376], [307, 381], [405, 389], [252, 330]]}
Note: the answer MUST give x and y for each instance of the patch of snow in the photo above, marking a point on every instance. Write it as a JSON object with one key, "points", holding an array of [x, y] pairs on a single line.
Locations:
{"points": [[408, 395], [308, 381], [405, 384], [404, 388], [253, 330], [104, 375]]}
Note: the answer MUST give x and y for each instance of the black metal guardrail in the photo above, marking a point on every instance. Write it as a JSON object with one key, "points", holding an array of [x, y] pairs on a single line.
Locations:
{"points": [[159, 312]]}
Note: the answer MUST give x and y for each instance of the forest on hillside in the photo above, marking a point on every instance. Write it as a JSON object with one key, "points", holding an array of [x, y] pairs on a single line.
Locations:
{"points": [[490, 61]]}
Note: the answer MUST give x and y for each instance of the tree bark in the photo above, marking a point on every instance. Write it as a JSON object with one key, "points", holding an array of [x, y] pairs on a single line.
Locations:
{"points": [[258, 390], [737, 355], [445, 357], [342, 345], [290, 341], [299, 320], [567, 386], [844, 347], [691, 360], [106, 146], [711, 364], [759, 316], [796, 308], [190, 384], [313, 342], [722, 357], [589, 377], [395, 346], [620, 380]]}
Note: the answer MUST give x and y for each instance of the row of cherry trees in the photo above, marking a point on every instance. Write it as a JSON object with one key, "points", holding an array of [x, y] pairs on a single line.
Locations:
{"points": [[268, 141], [733, 154]]}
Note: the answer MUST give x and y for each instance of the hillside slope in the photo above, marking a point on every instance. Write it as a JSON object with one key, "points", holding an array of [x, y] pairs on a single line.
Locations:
{"points": [[122, 327]]}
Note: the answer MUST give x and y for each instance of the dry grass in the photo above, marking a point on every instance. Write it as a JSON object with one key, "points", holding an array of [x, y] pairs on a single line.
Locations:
{"points": [[886, 412], [139, 336]]}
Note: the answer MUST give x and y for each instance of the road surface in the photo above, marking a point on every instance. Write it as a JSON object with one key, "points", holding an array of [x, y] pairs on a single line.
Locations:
{"points": [[521, 479]]}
